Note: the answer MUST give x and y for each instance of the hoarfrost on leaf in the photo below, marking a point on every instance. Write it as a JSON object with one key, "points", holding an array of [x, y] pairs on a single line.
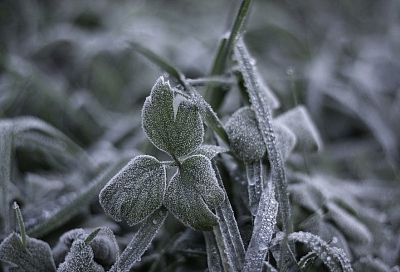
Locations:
{"points": [[244, 135], [136, 191], [178, 134], [210, 151], [193, 191], [36, 257]]}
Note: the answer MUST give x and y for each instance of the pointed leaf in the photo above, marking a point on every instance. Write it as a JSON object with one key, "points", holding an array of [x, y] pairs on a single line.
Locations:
{"points": [[286, 140], [177, 135], [36, 257], [193, 191], [136, 191]]}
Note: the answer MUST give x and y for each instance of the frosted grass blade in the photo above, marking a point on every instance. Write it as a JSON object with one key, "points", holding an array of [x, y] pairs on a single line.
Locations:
{"points": [[141, 241], [264, 228]]}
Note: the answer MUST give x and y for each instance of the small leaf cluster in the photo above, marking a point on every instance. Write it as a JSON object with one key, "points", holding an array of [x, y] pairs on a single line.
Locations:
{"points": [[141, 188]]}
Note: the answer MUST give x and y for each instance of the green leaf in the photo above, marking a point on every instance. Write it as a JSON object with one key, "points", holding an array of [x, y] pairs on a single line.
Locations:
{"points": [[36, 257], [177, 135], [300, 123], [193, 191], [136, 191], [244, 135]]}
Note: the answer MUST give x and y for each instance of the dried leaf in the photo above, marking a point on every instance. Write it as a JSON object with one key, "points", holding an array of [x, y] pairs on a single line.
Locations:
{"points": [[193, 191], [136, 191]]}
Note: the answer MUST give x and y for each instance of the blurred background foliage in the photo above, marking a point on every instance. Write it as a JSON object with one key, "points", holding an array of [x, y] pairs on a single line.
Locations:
{"points": [[69, 63]]}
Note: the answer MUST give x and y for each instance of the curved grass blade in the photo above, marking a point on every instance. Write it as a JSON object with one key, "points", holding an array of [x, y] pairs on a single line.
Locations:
{"points": [[209, 116], [264, 225], [141, 241], [74, 206]]}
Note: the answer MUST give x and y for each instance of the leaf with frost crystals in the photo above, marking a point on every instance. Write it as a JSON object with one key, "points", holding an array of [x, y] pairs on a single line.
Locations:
{"points": [[177, 135], [193, 191], [334, 258], [80, 258], [244, 135], [136, 191], [104, 245], [36, 257], [300, 123]]}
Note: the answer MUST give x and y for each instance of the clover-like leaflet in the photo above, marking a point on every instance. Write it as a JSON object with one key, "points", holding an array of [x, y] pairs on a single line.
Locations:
{"points": [[140, 188]]}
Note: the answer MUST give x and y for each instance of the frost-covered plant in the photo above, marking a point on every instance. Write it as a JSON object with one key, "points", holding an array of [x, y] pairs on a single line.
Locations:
{"points": [[140, 188]]}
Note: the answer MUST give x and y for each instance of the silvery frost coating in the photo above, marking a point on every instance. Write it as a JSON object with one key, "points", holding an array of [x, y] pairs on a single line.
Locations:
{"points": [[104, 245], [193, 191], [178, 134], [136, 191], [86, 255], [36, 257]]}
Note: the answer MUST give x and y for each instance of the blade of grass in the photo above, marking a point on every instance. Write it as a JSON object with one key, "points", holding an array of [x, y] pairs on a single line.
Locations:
{"points": [[215, 94], [210, 117], [264, 119], [230, 230], [82, 199], [141, 241]]}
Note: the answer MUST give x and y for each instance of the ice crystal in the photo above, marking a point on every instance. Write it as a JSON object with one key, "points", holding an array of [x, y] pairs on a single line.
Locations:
{"points": [[178, 134], [136, 191], [193, 191]]}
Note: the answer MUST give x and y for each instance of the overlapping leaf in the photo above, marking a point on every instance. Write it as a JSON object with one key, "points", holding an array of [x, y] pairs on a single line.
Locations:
{"points": [[193, 191], [136, 191]]}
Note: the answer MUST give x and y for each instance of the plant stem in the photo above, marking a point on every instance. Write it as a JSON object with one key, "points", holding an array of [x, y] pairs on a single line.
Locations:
{"points": [[21, 224]]}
